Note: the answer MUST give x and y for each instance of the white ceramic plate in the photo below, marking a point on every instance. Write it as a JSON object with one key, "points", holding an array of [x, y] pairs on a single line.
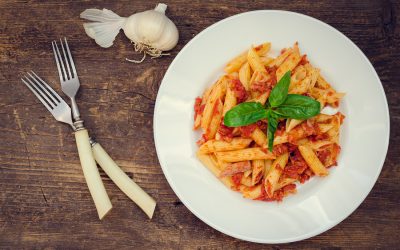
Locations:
{"points": [[319, 204]]}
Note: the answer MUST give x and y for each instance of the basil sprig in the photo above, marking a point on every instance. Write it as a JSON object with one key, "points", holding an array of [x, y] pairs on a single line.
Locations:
{"points": [[280, 105]]}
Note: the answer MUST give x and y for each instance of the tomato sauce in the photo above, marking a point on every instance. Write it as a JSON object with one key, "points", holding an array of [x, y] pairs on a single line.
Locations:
{"points": [[239, 90]]}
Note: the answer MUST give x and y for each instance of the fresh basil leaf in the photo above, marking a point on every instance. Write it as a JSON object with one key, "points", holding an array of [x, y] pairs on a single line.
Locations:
{"points": [[272, 125], [280, 91], [298, 107], [244, 114]]}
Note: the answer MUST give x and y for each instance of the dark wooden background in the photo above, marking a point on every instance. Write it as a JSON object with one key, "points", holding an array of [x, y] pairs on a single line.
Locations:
{"points": [[44, 200]]}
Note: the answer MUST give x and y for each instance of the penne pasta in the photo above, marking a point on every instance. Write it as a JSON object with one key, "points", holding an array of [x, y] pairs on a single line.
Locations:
{"points": [[230, 100], [289, 64], [255, 61], [272, 178], [217, 146], [259, 137], [217, 93], [208, 161], [258, 167], [312, 161], [215, 120], [252, 192], [244, 154], [291, 123], [245, 75]]}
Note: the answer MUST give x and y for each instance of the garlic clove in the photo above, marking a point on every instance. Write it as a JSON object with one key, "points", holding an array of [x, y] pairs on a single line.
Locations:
{"points": [[105, 28]]}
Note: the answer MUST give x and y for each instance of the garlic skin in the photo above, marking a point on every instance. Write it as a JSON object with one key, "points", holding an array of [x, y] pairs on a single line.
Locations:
{"points": [[151, 31]]}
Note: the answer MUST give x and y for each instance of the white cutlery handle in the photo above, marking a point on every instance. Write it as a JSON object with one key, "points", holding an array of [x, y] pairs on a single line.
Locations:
{"points": [[91, 173], [126, 184]]}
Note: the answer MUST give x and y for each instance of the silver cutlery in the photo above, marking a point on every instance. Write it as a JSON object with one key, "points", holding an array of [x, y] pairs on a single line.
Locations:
{"points": [[70, 85], [62, 112]]}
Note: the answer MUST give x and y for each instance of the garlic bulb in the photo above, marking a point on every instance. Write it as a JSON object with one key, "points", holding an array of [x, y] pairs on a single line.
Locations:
{"points": [[151, 31]]}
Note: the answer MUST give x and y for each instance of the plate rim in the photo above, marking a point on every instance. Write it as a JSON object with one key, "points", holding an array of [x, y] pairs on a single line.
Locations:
{"points": [[318, 230]]}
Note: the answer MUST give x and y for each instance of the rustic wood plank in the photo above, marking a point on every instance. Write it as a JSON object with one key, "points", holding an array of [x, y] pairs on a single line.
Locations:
{"points": [[44, 201]]}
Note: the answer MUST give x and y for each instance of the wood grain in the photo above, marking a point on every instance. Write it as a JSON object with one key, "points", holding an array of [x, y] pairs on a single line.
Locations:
{"points": [[44, 201]]}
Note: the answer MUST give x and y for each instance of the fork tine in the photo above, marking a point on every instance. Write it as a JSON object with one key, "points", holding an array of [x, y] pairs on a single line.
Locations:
{"points": [[67, 59], [36, 93], [59, 59], [43, 89], [54, 94], [70, 57]]}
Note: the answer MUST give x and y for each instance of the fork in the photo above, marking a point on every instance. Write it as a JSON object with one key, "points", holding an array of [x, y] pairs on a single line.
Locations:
{"points": [[62, 112], [70, 85]]}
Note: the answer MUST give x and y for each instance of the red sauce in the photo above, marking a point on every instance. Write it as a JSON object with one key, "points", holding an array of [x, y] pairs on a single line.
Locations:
{"points": [[262, 125], [303, 60], [341, 117], [289, 188], [280, 130], [323, 155], [215, 109], [202, 140], [303, 178], [247, 130], [237, 178], [258, 47], [197, 107], [225, 132], [296, 166], [239, 90], [280, 149]]}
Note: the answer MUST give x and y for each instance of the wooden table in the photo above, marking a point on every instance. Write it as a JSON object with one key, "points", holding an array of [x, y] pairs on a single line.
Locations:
{"points": [[44, 200]]}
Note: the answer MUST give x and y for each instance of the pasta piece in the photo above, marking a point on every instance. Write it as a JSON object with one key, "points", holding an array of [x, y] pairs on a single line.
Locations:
{"points": [[245, 75], [267, 164], [246, 181], [316, 145], [272, 178], [281, 58], [266, 61], [215, 120], [252, 192], [218, 92], [289, 64], [313, 73], [237, 62], [291, 123], [197, 122], [258, 83], [280, 139], [255, 61], [208, 161], [244, 154], [284, 182], [322, 83], [261, 98], [263, 49], [234, 168], [259, 137], [216, 146], [258, 171], [322, 118], [298, 75], [247, 173], [323, 127], [312, 161], [230, 100]]}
